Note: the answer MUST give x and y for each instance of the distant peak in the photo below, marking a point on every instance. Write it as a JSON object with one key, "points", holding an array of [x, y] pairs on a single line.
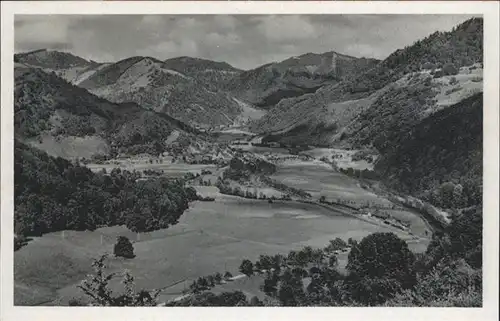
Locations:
{"points": [[51, 58], [31, 52], [187, 61]]}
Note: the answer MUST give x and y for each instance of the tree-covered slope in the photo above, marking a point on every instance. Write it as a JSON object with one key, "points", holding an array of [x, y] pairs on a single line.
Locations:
{"points": [[66, 65], [213, 74], [52, 59], [183, 94], [441, 157], [52, 194], [462, 46]]}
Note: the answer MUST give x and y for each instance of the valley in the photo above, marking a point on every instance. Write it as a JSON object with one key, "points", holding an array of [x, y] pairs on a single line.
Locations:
{"points": [[215, 236], [321, 179]]}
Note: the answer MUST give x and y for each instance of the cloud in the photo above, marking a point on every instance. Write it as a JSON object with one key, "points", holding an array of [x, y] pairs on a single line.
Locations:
{"points": [[33, 30], [245, 41], [286, 28]]}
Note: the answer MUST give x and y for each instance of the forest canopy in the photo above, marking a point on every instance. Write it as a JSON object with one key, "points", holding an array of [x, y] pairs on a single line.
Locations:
{"points": [[52, 194]]}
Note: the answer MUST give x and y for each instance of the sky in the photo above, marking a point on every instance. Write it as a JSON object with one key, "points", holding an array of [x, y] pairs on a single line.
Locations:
{"points": [[244, 41]]}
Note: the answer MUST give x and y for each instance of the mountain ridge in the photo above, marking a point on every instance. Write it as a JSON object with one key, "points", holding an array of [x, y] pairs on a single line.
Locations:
{"points": [[294, 76], [270, 83], [51, 113], [147, 82]]}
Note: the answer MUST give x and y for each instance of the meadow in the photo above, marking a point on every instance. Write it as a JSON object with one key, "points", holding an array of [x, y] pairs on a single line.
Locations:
{"points": [[210, 237], [319, 179]]}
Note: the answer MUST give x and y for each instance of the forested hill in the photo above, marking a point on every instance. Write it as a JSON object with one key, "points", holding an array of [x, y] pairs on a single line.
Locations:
{"points": [[151, 84], [58, 117], [440, 159], [53, 60], [212, 74], [267, 85], [461, 46], [52, 194]]}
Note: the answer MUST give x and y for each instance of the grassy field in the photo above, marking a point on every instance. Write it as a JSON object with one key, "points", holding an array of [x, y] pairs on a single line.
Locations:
{"points": [[71, 147], [210, 237], [319, 179], [418, 225]]}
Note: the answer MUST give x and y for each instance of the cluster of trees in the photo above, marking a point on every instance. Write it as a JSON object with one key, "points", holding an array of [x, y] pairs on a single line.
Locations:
{"points": [[285, 188], [339, 244], [363, 155], [347, 203], [388, 219], [447, 69], [358, 204], [254, 166], [381, 270], [96, 159], [358, 173], [206, 199], [303, 258], [225, 188], [448, 195], [190, 176], [236, 175], [325, 159], [449, 273], [379, 267], [152, 172], [204, 283], [52, 194], [205, 161], [124, 248], [205, 183]]}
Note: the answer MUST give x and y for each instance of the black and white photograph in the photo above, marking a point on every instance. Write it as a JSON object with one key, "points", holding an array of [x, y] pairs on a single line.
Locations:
{"points": [[256, 160]]}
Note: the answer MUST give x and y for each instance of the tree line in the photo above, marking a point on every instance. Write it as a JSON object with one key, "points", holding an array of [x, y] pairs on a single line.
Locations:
{"points": [[52, 194]]}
